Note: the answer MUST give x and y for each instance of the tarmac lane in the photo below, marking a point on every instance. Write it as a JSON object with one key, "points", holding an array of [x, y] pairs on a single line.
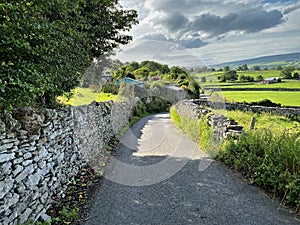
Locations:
{"points": [[160, 177]]}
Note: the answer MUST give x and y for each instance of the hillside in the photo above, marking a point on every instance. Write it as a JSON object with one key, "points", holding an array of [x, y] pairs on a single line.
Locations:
{"points": [[266, 61]]}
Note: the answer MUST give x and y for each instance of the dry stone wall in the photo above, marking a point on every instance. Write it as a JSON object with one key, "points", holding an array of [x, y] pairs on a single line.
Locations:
{"points": [[41, 151], [222, 126], [290, 112]]}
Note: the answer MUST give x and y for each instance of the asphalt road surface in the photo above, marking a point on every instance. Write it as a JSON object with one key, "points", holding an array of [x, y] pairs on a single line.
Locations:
{"points": [[160, 177]]}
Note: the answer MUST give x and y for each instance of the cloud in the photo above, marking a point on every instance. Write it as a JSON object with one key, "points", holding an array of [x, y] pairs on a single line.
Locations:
{"points": [[213, 29], [292, 8], [192, 42], [210, 25], [164, 52]]}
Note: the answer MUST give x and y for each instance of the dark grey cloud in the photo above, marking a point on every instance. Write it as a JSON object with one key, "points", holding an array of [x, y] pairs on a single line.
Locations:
{"points": [[192, 42], [212, 25], [172, 20], [219, 28], [292, 8]]}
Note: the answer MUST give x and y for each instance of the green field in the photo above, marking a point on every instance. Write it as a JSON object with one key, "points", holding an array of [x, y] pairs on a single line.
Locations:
{"points": [[84, 96], [263, 120], [212, 79], [283, 84], [284, 98]]}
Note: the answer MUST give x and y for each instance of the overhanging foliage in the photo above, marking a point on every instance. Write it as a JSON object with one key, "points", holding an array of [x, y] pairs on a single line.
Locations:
{"points": [[47, 45]]}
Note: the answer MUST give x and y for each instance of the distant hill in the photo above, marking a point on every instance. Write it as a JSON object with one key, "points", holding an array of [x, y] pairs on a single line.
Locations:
{"points": [[266, 61]]}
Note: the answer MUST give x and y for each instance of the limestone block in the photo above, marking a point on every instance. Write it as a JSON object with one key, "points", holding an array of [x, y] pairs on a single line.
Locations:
{"points": [[6, 186], [27, 170], [45, 218], [17, 170], [6, 157], [12, 200], [32, 181], [20, 189], [27, 155], [24, 216], [44, 198], [5, 169]]}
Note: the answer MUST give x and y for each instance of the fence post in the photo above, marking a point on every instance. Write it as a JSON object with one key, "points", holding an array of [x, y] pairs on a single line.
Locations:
{"points": [[252, 124]]}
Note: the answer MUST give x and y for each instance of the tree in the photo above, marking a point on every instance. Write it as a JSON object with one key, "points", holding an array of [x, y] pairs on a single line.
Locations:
{"points": [[226, 68], [141, 73], [239, 68], [256, 68], [175, 71], [287, 72], [245, 67], [228, 75], [244, 78], [165, 69], [259, 78], [203, 79], [193, 88], [134, 65], [46, 46], [296, 75]]}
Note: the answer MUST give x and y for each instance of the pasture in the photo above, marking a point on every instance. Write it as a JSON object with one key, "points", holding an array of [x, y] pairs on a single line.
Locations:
{"points": [[84, 96], [284, 98]]}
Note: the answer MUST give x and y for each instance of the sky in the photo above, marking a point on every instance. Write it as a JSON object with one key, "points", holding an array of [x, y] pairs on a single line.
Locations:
{"points": [[196, 33]]}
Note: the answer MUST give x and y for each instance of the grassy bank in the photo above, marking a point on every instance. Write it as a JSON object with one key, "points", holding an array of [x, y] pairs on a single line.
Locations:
{"points": [[268, 156], [84, 96], [268, 159], [263, 120]]}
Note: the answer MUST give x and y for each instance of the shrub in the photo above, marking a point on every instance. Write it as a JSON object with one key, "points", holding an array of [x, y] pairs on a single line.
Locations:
{"points": [[110, 88], [265, 102], [46, 46], [156, 105], [270, 160]]}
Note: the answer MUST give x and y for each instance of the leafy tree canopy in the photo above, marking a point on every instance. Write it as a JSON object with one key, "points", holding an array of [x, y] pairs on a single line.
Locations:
{"points": [[46, 45], [287, 72]]}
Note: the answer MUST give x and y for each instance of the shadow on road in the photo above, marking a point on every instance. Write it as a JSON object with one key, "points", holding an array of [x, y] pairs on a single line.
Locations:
{"points": [[186, 196]]}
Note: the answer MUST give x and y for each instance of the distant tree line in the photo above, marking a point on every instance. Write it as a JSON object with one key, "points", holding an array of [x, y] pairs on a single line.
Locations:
{"points": [[152, 71]]}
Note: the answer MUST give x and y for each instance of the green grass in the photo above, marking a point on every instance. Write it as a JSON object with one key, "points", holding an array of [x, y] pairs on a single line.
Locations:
{"points": [[267, 156], [84, 96], [285, 98], [263, 120], [268, 159], [212, 80], [283, 84], [263, 73]]}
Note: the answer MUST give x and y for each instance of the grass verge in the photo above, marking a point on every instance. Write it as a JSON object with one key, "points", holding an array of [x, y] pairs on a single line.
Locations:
{"points": [[268, 156]]}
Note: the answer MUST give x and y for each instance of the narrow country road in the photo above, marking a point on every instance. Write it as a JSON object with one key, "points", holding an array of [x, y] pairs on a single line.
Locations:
{"points": [[160, 177]]}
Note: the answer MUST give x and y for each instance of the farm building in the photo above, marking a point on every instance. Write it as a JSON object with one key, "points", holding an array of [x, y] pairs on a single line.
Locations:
{"points": [[130, 81], [271, 80]]}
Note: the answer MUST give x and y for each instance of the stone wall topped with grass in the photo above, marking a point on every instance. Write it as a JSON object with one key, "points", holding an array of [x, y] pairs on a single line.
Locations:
{"points": [[221, 126], [42, 150], [291, 112]]}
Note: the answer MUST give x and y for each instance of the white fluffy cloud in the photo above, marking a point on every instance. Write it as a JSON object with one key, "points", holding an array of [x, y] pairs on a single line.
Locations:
{"points": [[201, 24]]}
